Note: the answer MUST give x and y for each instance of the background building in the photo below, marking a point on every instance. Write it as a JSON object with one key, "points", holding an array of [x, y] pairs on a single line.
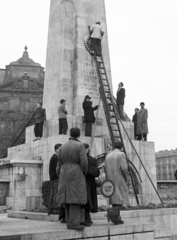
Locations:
{"points": [[166, 164], [21, 87]]}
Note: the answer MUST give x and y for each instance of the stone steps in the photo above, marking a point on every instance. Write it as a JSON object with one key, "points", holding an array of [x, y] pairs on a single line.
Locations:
{"points": [[21, 229], [164, 220]]}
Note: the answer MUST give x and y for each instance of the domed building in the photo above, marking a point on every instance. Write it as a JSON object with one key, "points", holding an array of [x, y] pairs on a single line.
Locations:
{"points": [[21, 87]]}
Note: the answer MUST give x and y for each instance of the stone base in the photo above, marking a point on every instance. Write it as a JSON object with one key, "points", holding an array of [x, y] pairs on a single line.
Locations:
{"points": [[21, 229], [24, 177], [163, 220], [23, 159]]}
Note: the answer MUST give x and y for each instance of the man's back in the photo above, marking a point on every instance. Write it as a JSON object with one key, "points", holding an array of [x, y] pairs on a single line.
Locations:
{"points": [[97, 31], [116, 171], [113, 161], [73, 151]]}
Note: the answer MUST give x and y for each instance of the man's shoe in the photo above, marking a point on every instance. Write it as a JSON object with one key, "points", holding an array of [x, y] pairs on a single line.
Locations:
{"points": [[63, 220], [119, 222], [50, 212], [77, 228], [86, 224]]}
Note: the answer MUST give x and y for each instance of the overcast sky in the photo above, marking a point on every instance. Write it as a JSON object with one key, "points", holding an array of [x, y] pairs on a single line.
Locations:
{"points": [[143, 49]]}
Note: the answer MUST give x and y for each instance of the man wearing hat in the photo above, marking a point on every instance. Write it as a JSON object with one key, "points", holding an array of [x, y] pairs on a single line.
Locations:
{"points": [[89, 117], [97, 33]]}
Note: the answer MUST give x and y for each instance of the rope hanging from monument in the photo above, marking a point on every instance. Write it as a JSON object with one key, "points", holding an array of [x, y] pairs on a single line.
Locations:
{"points": [[111, 112]]}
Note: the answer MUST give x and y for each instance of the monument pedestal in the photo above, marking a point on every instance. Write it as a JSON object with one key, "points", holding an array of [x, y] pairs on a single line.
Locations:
{"points": [[27, 165]]}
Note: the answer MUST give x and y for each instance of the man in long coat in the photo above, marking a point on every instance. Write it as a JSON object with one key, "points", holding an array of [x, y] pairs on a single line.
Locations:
{"points": [[142, 124], [39, 118], [120, 100], [54, 180], [93, 172], [89, 117], [134, 120], [116, 170], [72, 168]]}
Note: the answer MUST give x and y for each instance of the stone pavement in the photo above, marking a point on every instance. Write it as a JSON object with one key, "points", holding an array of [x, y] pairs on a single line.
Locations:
{"points": [[20, 229]]}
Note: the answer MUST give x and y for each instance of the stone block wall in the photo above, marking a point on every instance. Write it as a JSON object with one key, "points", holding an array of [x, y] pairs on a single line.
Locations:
{"points": [[168, 191], [4, 191], [24, 178]]}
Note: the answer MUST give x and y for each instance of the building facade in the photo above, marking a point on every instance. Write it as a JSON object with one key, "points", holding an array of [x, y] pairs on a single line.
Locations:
{"points": [[166, 164], [21, 87]]}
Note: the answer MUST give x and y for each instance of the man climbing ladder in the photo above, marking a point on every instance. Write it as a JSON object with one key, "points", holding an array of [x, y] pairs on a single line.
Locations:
{"points": [[96, 34]]}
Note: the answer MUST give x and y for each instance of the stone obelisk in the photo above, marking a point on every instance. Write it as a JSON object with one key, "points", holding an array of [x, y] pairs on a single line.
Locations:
{"points": [[70, 70]]}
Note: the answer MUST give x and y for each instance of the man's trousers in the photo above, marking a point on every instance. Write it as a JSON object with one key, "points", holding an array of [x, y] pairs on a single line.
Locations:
{"points": [[96, 44], [63, 126], [38, 129], [73, 214], [88, 129], [121, 111]]}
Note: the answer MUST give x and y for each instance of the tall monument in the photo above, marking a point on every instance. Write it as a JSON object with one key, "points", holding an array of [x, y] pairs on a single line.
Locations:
{"points": [[70, 74], [70, 70]]}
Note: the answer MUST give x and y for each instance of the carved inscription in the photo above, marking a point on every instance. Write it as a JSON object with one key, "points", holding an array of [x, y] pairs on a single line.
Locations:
{"points": [[90, 84]]}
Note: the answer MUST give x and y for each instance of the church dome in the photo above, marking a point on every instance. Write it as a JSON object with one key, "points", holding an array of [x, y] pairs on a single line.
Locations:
{"points": [[25, 60]]}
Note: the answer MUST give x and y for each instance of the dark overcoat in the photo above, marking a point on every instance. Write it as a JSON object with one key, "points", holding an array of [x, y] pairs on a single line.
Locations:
{"points": [[134, 120], [39, 116], [89, 111], [120, 96], [72, 182], [52, 167], [142, 124], [93, 172]]}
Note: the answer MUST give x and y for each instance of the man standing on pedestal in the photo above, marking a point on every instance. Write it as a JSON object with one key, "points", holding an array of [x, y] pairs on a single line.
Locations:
{"points": [[134, 120], [39, 118], [62, 117], [72, 192], [97, 33], [120, 100], [89, 117], [116, 170], [142, 124]]}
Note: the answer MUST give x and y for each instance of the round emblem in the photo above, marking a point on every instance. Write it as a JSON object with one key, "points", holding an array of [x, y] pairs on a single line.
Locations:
{"points": [[107, 188]]}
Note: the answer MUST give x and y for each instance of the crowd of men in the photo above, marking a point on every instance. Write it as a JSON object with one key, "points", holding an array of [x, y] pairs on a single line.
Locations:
{"points": [[73, 171], [73, 174]]}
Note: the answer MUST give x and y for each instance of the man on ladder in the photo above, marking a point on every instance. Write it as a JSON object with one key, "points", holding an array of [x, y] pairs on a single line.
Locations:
{"points": [[96, 33]]}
